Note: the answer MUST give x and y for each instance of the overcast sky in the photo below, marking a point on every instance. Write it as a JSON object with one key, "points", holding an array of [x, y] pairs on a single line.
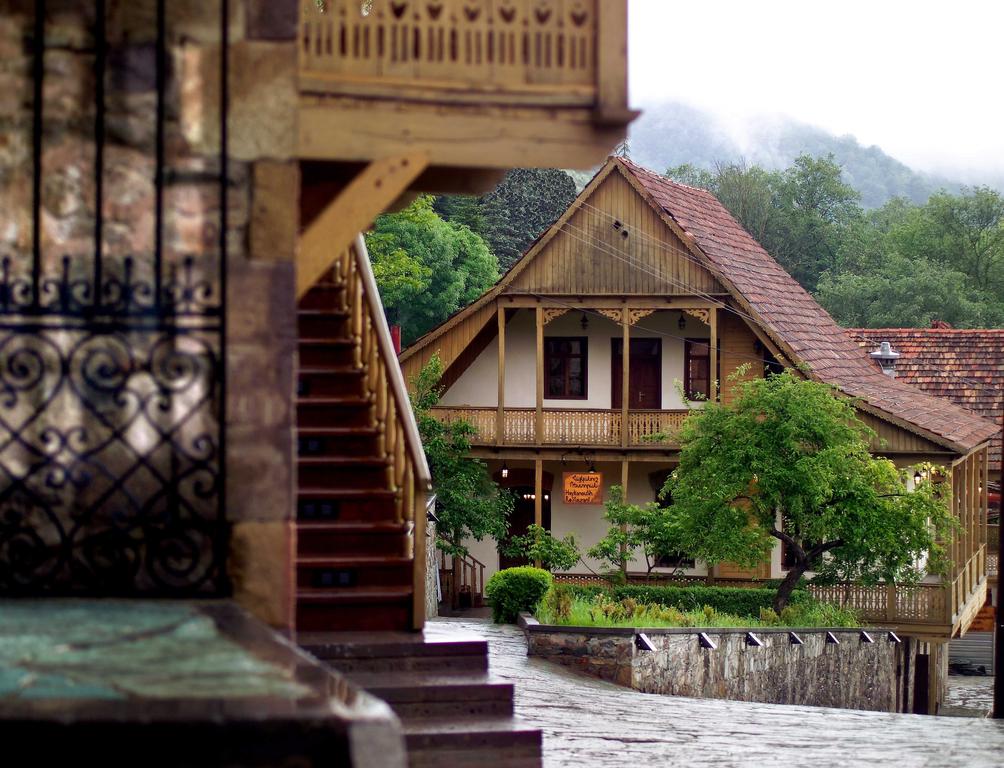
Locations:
{"points": [[925, 82]]}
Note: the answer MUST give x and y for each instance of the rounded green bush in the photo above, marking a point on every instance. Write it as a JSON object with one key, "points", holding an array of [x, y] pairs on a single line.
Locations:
{"points": [[516, 589]]}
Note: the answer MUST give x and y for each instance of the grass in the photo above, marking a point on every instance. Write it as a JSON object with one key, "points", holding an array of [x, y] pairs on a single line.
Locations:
{"points": [[561, 608]]}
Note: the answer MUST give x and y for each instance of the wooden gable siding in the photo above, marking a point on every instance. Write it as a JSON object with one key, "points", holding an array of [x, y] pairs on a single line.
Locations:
{"points": [[589, 256], [890, 438], [739, 347], [452, 344]]}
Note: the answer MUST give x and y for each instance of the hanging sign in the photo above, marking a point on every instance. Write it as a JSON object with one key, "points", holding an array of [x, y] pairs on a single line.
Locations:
{"points": [[583, 487]]}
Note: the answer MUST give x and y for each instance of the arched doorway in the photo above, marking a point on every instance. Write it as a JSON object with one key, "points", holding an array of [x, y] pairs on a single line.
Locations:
{"points": [[520, 482]]}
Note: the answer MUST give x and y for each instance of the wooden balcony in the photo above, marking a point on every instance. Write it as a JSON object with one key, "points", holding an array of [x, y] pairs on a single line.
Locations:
{"points": [[538, 82], [565, 426]]}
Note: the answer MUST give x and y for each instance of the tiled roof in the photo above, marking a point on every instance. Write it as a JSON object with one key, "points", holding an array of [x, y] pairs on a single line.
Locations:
{"points": [[793, 318], [965, 366]]}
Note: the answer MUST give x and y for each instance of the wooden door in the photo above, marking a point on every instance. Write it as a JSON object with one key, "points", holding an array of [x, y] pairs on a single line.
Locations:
{"points": [[645, 374]]}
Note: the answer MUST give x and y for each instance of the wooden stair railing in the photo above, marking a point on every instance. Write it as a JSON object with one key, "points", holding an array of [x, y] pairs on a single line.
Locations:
{"points": [[462, 574], [363, 480]]}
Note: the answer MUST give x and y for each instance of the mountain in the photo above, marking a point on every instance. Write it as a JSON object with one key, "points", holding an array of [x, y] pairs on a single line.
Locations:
{"points": [[673, 133]]}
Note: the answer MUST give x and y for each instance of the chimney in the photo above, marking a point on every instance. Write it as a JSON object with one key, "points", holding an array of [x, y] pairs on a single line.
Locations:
{"points": [[886, 358]]}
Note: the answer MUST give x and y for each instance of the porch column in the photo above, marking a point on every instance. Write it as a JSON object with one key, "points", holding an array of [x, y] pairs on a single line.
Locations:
{"points": [[539, 421], [538, 496], [624, 490], [713, 319], [625, 376], [500, 415]]}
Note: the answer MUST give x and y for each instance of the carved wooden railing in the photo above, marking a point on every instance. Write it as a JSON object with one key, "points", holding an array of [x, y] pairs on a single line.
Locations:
{"points": [[398, 439], [463, 574], [546, 52], [891, 604], [566, 426]]}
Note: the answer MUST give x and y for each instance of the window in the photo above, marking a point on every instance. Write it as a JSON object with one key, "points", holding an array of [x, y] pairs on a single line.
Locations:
{"points": [[669, 559], [697, 368], [565, 367]]}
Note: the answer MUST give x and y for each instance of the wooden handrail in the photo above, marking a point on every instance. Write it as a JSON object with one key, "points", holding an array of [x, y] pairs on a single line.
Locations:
{"points": [[398, 439]]}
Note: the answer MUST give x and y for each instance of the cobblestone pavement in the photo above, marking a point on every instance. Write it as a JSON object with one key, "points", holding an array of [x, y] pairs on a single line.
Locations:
{"points": [[971, 692], [588, 722]]}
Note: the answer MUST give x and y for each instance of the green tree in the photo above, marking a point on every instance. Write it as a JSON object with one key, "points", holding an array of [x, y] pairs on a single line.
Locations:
{"points": [[516, 212], [469, 504], [789, 450], [907, 293], [646, 527], [427, 268], [539, 544]]}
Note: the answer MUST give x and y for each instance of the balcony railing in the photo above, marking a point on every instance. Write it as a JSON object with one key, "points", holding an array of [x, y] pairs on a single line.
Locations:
{"points": [[537, 52], [567, 426]]}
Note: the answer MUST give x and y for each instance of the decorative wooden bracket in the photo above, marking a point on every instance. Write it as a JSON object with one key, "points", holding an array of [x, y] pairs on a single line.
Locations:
{"points": [[552, 314], [613, 314], [351, 212], [634, 315], [704, 315]]}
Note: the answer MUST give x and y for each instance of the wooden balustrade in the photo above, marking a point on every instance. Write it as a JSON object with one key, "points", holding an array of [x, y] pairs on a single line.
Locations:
{"points": [[565, 426], [397, 433], [462, 574], [533, 52]]}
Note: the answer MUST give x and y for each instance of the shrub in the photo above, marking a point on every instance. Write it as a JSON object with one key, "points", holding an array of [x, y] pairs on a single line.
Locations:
{"points": [[737, 601], [558, 602], [516, 589]]}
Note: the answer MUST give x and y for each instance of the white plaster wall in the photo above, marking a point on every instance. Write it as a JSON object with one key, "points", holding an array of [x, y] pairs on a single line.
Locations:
{"points": [[586, 522], [478, 385]]}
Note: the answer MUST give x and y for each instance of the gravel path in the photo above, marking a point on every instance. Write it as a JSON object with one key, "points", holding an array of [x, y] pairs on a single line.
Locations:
{"points": [[588, 722]]}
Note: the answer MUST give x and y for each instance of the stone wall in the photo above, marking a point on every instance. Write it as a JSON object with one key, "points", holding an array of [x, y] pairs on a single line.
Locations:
{"points": [[262, 210], [850, 674]]}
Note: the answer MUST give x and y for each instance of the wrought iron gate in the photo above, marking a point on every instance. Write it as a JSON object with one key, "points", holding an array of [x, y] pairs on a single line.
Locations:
{"points": [[112, 367]]}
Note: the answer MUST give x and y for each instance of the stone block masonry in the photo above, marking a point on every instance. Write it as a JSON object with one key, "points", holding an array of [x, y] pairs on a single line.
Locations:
{"points": [[850, 673]]}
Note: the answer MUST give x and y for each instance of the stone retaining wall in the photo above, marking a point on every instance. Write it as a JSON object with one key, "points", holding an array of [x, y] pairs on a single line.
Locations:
{"points": [[851, 673]]}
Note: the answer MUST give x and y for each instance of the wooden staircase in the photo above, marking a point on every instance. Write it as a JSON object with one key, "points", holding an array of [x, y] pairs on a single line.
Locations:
{"points": [[452, 711], [361, 475]]}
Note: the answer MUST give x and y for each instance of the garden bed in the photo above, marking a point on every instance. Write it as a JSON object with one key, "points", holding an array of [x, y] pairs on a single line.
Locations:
{"points": [[836, 667]]}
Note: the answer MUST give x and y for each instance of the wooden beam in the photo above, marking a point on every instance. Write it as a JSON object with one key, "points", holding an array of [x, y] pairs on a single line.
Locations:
{"points": [[538, 495], [715, 384], [351, 212], [500, 414], [578, 301], [625, 375], [611, 61], [539, 420], [624, 490]]}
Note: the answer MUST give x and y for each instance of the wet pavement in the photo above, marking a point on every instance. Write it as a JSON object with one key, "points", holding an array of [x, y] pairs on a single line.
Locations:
{"points": [[970, 696], [589, 722]]}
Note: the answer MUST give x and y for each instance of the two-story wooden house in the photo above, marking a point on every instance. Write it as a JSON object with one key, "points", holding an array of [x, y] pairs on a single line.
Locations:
{"points": [[660, 269]]}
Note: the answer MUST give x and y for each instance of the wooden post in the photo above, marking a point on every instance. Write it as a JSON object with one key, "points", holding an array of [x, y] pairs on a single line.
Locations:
{"points": [[624, 490], [538, 494], [539, 422], [500, 414], [890, 602], [713, 395], [625, 376], [611, 59]]}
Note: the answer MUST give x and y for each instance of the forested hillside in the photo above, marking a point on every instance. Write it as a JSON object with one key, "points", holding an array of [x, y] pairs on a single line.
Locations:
{"points": [[671, 134]]}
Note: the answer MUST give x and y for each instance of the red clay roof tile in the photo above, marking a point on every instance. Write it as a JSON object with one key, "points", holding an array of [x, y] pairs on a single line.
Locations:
{"points": [[793, 317]]}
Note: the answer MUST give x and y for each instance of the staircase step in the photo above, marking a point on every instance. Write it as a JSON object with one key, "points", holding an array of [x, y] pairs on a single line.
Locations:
{"points": [[322, 295], [332, 412], [328, 610], [422, 695], [335, 441], [345, 504], [362, 539], [328, 323], [340, 381], [323, 352], [483, 742], [341, 471], [326, 571], [398, 651]]}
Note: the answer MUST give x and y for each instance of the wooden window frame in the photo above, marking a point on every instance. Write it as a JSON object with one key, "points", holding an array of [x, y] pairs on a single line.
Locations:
{"points": [[688, 355], [585, 367]]}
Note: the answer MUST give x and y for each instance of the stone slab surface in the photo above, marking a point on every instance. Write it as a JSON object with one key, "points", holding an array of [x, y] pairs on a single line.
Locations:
{"points": [[595, 723]]}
